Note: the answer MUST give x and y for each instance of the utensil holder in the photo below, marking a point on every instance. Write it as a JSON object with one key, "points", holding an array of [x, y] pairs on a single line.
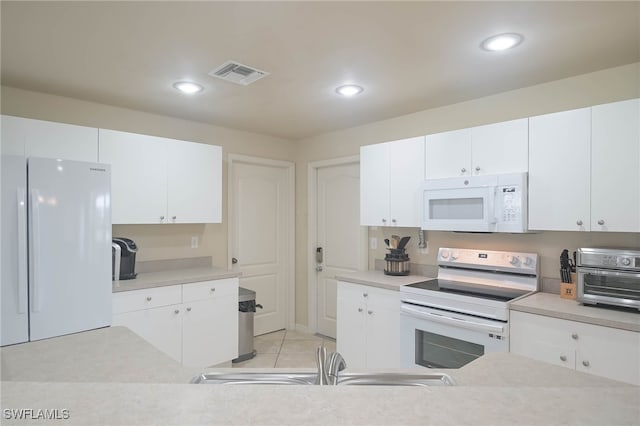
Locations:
{"points": [[396, 262]]}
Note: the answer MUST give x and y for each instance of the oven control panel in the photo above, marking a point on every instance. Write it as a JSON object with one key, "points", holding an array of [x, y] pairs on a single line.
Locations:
{"points": [[609, 258], [489, 259]]}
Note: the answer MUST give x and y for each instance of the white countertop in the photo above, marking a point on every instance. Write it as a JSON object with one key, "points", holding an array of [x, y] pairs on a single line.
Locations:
{"points": [[172, 277], [493, 390], [379, 279], [553, 305]]}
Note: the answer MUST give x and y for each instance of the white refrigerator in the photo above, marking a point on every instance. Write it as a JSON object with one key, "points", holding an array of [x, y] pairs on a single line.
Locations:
{"points": [[56, 248]]}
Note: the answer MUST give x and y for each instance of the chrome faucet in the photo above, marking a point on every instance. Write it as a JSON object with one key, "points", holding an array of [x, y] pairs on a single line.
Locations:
{"points": [[328, 368], [335, 363]]}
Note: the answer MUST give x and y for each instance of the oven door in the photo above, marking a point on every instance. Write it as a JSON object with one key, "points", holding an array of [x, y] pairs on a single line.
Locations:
{"points": [[440, 339], [609, 287]]}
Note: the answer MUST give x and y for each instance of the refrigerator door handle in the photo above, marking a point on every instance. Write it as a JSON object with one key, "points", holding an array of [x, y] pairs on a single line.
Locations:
{"points": [[35, 251], [22, 247]]}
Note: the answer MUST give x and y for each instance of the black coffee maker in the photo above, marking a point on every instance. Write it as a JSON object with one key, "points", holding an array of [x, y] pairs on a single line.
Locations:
{"points": [[123, 256]]}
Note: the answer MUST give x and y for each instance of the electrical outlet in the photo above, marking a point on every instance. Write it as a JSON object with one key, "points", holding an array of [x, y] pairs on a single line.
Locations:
{"points": [[194, 242], [373, 243], [425, 249]]}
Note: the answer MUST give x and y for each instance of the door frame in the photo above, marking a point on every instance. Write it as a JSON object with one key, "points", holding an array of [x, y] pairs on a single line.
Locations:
{"points": [[312, 225], [289, 166]]}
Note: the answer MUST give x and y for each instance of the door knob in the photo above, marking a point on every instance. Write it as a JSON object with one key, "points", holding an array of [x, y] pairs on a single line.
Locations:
{"points": [[234, 260]]}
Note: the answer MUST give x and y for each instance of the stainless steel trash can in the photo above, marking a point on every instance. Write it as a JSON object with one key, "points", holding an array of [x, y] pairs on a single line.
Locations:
{"points": [[246, 311]]}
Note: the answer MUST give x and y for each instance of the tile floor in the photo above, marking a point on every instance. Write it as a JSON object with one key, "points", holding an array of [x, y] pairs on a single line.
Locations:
{"points": [[286, 349]]}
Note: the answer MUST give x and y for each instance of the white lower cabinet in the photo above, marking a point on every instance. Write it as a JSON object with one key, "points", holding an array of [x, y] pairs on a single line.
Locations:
{"points": [[603, 351], [196, 324], [368, 326]]}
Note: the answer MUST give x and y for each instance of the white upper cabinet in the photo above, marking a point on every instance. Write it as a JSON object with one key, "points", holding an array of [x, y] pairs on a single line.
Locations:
{"points": [[390, 177], [448, 154], [615, 167], [500, 147], [194, 173], [483, 150], [560, 171], [583, 169], [160, 180], [37, 138]]}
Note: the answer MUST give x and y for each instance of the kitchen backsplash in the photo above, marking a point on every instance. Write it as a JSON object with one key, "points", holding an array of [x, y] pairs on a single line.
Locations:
{"points": [[548, 245]]}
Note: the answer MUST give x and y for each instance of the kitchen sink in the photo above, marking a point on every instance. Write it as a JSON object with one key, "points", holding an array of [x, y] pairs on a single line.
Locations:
{"points": [[310, 378]]}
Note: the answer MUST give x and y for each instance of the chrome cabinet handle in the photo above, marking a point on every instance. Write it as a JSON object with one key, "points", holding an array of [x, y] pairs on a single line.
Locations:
{"points": [[148, 298], [585, 363], [370, 312], [188, 309], [365, 294], [394, 221], [173, 217], [563, 358], [463, 170], [177, 311], [212, 289], [359, 309], [161, 217], [234, 260], [579, 222], [477, 168], [384, 220], [574, 336], [601, 222]]}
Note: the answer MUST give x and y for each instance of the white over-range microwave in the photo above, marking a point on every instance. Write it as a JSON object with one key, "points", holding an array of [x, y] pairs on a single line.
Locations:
{"points": [[490, 203]]}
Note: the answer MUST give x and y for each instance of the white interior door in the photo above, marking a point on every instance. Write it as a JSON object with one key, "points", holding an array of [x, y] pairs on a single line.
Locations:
{"points": [[261, 232], [339, 234]]}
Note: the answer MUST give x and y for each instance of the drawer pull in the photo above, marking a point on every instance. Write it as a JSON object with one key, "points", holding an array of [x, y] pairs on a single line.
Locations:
{"points": [[177, 311], [148, 298], [359, 309], [585, 363], [188, 309], [574, 336], [213, 289], [563, 358]]}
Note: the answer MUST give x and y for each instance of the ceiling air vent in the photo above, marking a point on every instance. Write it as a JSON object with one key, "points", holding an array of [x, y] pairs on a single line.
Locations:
{"points": [[237, 73]]}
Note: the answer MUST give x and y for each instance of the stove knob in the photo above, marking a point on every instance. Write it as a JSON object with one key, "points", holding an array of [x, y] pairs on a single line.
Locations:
{"points": [[528, 261], [444, 254], [625, 261], [455, 255], [513, 260]]}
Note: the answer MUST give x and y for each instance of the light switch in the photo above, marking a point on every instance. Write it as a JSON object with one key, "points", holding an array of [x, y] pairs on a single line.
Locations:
{"points": [[194, 242]]}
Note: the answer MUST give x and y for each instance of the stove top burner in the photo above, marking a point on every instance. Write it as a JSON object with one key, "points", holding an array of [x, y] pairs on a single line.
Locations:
{"points": [[502, 294]]}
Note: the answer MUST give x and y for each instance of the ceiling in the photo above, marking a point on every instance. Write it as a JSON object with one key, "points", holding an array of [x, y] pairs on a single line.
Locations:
{"points": [[409, 56]]}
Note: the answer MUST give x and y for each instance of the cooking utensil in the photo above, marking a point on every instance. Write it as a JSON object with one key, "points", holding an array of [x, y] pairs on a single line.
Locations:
{"points": [[386, 241], [394, 241], [403, 242]]}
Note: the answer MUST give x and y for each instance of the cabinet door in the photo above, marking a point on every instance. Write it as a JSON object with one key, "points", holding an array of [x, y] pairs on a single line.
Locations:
{"points": [[615, 175], [608, 352], [350, 325], [383, 329], [448, 154], [161, 327], [374, 185], [542, 338], [560, 171], [138, 176], [209, 332], [500, 147], [194, 182], [406, 175], [58, 140], [13, 135]]}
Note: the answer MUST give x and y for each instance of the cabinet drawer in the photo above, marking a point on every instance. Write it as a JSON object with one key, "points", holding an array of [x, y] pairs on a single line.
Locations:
{"points": [[136, 300], [210, 289]]}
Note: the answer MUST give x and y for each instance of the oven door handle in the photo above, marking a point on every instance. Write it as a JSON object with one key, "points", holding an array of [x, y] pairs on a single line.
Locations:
{"points": [[457, 322]]}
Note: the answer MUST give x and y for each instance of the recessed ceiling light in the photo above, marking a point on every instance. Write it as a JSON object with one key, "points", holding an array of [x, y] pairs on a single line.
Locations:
{"points": [[502, 42], [349, 90], [188, 87]]}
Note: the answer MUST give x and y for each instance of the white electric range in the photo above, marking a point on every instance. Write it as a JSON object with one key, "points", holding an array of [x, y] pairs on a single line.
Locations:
{"points": [[462, 314]]}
